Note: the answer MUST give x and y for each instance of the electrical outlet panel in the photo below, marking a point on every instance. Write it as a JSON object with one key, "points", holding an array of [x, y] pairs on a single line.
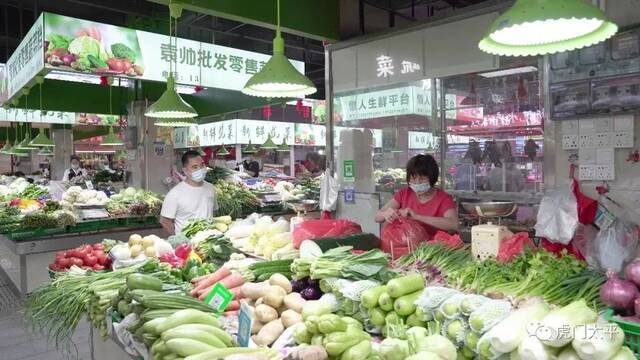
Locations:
{"points": [[603, 140], [604, 172], [587, 141], [622, 140], [587, 172], [570, 142]]}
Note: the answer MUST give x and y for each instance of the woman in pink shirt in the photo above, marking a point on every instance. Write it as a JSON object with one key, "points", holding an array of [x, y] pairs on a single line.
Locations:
{"points": [[421, 201]]}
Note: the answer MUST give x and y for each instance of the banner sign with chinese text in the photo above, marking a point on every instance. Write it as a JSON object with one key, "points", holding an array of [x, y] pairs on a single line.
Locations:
{"points": [[85, 46], [27, 60], [419, 140], [60, 117]]}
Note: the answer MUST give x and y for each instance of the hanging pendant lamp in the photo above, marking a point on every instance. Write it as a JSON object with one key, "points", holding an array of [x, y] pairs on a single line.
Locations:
{"points": [[250, 149], [538, 27], [171, 105], [41, 140], [111, 139], [17, 150], [25, 143], [6, 146], [269, 144], [278, 78], [176, 122], [45, 152], [222, 151], [283, 147]]}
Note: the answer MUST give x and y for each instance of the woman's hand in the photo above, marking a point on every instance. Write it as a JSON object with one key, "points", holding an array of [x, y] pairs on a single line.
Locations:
{"points": [[390, 214], [408, 213]]}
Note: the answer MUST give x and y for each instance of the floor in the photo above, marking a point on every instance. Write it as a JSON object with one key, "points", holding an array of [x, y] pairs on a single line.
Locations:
{"points": [[17, 343]]}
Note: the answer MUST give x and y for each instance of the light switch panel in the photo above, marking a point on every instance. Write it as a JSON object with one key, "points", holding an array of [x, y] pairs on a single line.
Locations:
{"points": [[603, 140], [587, 141], [622, 140], [570, 142]]}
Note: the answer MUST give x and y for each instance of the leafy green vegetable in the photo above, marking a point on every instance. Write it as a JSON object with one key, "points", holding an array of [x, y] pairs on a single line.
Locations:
{"points": [[122, 51], [83, 46], [96, 62], [57, 41]]}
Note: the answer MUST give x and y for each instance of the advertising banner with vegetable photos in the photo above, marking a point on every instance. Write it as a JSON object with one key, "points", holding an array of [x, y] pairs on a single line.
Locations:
{"points": [[84, 46]]}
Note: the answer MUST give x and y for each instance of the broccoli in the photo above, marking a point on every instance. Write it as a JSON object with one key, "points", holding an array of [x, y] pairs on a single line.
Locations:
{"points": [[122, 51]]}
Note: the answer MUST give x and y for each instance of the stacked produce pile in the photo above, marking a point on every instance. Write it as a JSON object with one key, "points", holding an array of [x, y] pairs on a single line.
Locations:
{"points": [[390, 179], [263, 237], [76, 196], [130, 201], [235, 199], [21, 188], [84, 257]]}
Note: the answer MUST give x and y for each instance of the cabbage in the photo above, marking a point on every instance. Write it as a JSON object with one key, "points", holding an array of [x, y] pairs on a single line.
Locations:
{"points": [[597, 341], [507, 334], [129, 192], [83, 46], [278, 227], [572, 315], [438, 345], [394, 349], [533, 349]]}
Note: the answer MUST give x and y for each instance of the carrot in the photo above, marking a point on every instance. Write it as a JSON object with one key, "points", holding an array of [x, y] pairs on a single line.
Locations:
{"points": [[233, 306], [236, 292], [231, 313], [212, 278], [230, 282]]}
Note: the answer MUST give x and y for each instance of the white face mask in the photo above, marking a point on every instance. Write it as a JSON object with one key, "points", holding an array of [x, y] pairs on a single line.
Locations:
{"points": [[420, 188], [75, 167], [199, 175]]}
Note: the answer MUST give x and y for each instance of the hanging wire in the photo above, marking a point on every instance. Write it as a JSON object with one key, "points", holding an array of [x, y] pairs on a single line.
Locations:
{"points": [[278, 20]]}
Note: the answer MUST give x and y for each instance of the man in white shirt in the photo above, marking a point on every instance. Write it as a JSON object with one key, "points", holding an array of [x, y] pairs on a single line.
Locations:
{"points": [[190, 199]]}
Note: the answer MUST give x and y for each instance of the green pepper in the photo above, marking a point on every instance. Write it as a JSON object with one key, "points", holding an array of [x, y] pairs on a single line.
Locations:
{"points": [[189, 264], [331, 323], [360, 351], [150, 266], [177, 273], [192, 273]]}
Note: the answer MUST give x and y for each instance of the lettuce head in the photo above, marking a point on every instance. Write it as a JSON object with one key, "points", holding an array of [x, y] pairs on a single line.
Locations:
{"points": [[83, 46]]}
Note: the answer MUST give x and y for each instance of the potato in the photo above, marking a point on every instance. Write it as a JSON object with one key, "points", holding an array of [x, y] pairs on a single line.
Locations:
{"points": [[135, 250], [150, 251], [269, 333], [135, 239], [253, 291], [256, 326], [274, 296], [265, 313], [259, 301], [294, 301], [282, 281], [290, 317], [313, 352]]}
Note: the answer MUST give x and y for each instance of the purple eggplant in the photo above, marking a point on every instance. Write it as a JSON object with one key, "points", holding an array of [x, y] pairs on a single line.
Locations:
{"points": [[311, 293], [299, 285]]}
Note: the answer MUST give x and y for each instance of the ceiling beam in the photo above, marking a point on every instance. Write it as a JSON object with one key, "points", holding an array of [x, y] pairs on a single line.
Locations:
{"points": [[309, 18]]}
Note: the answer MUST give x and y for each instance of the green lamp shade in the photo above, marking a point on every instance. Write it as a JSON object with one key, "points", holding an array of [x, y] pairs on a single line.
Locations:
{"points": [[250, 149], [25, 144], [41, 140], [201, 152], [111, 139], [45, 152], [6, 148], [223, 151], [283, 147], [185, 122], [16, 151], [278, 78], [538, 27], [170, 105], [269, 144]]}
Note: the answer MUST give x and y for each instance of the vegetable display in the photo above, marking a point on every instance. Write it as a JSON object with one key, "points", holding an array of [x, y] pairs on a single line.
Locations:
{"points": [[85, 256], [134, 202]]}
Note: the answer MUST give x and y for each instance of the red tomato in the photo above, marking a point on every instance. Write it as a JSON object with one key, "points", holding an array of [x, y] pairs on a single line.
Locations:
{"points": [[98, 246], [54, 267], [102, 258], [64, 262], [75, 261], [97, 267], [90, 260], [60, 254]]}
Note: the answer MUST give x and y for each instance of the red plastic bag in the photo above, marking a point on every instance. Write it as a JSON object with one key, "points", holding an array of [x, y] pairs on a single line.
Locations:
{"points": [[452, 241], [317, 229], [401, 236], [514, 246], [557, 248], [587, 206]]}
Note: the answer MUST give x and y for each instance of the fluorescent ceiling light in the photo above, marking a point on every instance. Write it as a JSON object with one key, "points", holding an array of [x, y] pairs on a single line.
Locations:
{"points": [[507, 72]]}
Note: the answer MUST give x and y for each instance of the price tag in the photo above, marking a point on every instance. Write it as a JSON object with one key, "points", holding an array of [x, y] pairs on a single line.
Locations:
{"points": [[219, 298], [89, 184], [245, 320]]}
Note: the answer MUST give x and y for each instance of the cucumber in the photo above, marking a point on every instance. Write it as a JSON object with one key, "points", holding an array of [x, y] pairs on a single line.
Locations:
{"points": [[405, 285], [142, 281], [186, 347], [187, 316], [151, 314], [188, 333], [149, 339], [217, 332]]}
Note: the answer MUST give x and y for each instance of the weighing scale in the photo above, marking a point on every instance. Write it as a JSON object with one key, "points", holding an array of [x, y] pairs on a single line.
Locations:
{"points": [[486, 238], [301, 207]]}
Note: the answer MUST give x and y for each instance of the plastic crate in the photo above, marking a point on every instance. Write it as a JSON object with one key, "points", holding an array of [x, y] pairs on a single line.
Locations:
{"points": [[631, 331], [92, 225], [35, 233]]}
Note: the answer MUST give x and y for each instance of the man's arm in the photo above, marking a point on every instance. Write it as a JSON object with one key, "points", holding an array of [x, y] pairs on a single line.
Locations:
{"points": [[168, 225]]}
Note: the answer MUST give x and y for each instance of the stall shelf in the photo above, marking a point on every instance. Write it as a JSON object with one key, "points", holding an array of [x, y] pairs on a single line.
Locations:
{"points": [[24, 259]]}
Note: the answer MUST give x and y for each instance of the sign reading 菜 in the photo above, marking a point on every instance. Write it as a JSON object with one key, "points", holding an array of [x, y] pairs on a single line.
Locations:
{"points": [[387, 66], [86, 46], [27, 60]]}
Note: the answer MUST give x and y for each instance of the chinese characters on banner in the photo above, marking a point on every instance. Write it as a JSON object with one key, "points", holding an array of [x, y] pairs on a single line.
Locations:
{"points": [[386, 66], [33, 116], [27, 60]]}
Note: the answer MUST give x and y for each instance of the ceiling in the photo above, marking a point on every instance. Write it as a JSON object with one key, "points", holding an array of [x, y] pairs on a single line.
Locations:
{"points": [[17, 16]]}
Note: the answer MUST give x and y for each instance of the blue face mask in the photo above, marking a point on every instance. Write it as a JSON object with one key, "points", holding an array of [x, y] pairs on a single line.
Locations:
{"points": [[420, 188]]}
